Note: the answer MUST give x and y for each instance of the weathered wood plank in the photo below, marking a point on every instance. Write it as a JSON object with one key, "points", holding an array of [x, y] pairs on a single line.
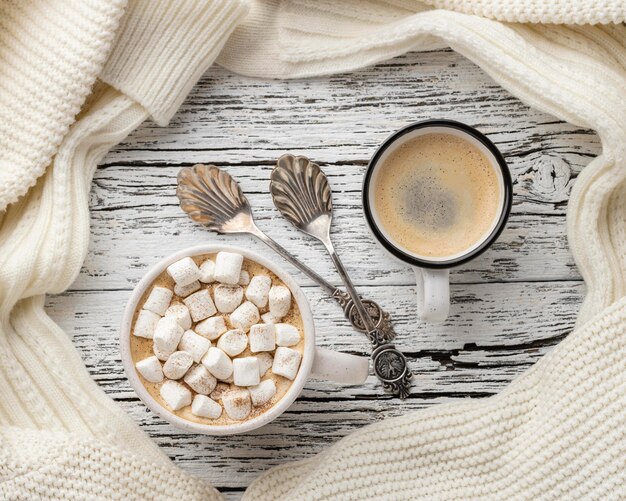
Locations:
{"points": [[484, 315], [138, 204], [542, 182], [232, 495]]}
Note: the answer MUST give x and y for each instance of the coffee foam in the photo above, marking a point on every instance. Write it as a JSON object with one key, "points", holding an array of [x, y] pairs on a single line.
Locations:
{"points": [[141, 348], [436, 195]]}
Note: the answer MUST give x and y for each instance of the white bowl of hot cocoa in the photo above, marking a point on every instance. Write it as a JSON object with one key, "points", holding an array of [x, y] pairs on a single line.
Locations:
{"points": [[219, 340]]}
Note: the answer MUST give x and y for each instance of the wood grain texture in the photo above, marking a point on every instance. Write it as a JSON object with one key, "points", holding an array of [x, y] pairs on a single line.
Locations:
{"points": [[510, 306], [142, 206]]}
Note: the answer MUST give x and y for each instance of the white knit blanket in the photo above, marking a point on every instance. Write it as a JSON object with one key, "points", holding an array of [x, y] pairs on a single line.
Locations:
{"points": [[557, 432]]}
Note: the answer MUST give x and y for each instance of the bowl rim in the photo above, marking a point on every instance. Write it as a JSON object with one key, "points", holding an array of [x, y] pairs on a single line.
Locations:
{"points": [[231, 429]]}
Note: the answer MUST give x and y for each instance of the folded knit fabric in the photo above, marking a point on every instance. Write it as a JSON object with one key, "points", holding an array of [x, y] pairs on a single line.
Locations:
{"points": [[557, 432], [51, 53], [61, 437]]}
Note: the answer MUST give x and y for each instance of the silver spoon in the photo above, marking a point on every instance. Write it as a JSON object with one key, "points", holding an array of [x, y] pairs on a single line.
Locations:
{"points": [[302, 194], [213, 198]]}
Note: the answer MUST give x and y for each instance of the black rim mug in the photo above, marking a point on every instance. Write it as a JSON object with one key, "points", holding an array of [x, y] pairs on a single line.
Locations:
{"points": [[432, 274]]}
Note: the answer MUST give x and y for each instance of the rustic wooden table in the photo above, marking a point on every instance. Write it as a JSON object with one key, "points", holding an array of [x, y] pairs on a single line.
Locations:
{"points": [[509, 306]]}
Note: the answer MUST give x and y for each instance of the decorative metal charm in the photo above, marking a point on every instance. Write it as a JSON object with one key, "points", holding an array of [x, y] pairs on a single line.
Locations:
{"points": [[381, 318], [391, 367], [301, 193], [214, 199]]}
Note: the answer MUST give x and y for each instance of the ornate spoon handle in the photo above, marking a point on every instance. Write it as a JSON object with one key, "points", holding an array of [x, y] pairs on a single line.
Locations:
{"points": [[390, 365]]}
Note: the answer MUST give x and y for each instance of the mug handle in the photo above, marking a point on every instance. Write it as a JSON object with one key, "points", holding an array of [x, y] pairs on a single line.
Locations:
{"points": [[340, 367], [433, 294]]}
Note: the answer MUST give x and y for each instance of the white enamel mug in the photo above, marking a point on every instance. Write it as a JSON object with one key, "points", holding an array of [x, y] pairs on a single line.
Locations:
{"points": [[316, 362], [432, 274]]}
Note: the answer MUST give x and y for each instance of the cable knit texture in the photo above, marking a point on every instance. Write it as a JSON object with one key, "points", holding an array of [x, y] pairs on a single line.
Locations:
{"points": [[51, 53], [540, 11], [184, 37], [67, 466], [61, 437], [557, 432]]}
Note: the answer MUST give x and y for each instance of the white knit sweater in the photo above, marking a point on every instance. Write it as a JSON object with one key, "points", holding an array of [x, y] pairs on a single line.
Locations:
{"points": [[557, 432]]}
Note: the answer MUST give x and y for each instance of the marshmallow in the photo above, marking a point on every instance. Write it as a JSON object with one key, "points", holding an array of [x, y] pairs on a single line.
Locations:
{"points": [[176, 395], [177, 365], [218, 363], [280, 300], [185, 290], [207, 271], [258, 290], [246, 371], [237, 404], [200, 305], [194, 344], [286, 362], [219, 390], [200, 379], [203, 406], [158, 300], [228, 267], [263, 392], [184, 272], [181, 313], [162, 355], [145, 324], [265, 362], [233, 342], [227, 297], [244, 316], [212, 328], [150, 369], [286, 335], [262, 338], [244, 278], [268, 318], [167, 335]]}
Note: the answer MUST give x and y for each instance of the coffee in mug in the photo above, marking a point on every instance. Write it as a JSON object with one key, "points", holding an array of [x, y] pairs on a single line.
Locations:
{"points": [[436, 194]]}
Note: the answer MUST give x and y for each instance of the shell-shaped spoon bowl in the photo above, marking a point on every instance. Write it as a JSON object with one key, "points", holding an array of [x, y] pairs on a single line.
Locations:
{"points": [[213, 198], [302, 194]]}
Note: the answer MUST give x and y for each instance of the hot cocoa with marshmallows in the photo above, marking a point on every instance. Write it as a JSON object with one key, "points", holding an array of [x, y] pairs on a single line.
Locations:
{"points": [[217, 339]]}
